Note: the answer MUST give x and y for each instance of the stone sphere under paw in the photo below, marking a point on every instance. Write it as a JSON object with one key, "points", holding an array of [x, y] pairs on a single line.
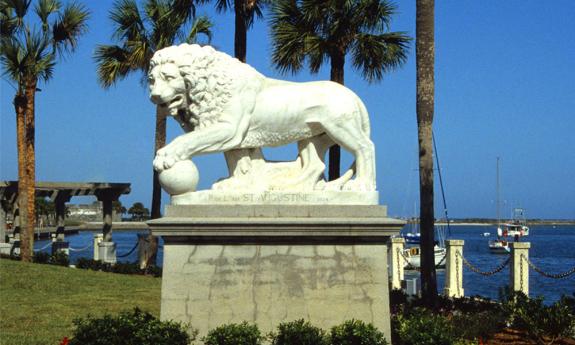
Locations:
{"points": [[181, 178]]}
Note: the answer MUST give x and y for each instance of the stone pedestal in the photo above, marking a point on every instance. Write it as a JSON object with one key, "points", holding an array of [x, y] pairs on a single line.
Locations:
{"points": [[107, 252], [269, 264]]}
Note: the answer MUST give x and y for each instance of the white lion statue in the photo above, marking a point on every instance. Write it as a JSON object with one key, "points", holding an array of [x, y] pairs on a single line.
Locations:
{"points": [[224, 105]]}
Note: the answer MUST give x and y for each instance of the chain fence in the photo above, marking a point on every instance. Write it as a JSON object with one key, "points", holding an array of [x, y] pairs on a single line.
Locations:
{"points": [[484, 273], [130, 252], [81, 249], [549, 275]]}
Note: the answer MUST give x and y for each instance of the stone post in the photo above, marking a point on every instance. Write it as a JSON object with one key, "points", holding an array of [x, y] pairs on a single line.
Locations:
{"points": [[396, 262], [454, 269], [519, 268], [98, 238]]}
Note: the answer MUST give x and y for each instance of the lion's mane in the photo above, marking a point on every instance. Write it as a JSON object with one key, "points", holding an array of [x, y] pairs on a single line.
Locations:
{"points": [[210, 75]]}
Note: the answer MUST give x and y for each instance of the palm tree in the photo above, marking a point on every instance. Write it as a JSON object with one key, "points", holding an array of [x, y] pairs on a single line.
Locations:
{"points": [[320, 30], [425, 59], [141, 31], [28, 56], [244, 13]]}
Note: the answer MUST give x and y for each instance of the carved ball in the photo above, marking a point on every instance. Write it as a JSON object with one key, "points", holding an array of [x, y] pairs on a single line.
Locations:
{"points": [[181, 178]]}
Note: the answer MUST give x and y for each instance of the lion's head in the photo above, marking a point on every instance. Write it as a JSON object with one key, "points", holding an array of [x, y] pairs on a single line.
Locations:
{"points": [[191, 81]]}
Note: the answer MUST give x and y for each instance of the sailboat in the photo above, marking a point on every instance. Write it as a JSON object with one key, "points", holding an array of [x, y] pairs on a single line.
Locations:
{"points": [[516, 228]]}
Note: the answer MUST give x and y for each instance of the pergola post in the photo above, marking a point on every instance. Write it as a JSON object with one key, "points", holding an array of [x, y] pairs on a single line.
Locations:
{"points": [[60, 203], [107, 252]]}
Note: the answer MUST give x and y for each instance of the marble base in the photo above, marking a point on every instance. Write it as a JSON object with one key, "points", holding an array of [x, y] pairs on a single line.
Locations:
{"points": [[107, 252], [218, 197], [271, 264]]}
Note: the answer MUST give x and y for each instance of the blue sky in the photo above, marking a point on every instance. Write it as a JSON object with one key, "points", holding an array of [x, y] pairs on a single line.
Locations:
{"points": [[505, 87]]}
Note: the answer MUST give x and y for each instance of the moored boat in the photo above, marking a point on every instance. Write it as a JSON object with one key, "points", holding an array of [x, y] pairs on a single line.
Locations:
{"points": [[412, 256]]}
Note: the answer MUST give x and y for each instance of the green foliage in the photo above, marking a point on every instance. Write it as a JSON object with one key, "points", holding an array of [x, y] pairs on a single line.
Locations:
{"points": [[478, 325], [120, 267], [541, 322], [299, 332], [129, 328], [356, 332], [422, 327], [59, 258], [234, 334]]}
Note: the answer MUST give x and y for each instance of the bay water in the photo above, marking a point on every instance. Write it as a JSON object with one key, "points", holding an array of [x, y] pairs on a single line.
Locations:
{"points": [[552, 250]]}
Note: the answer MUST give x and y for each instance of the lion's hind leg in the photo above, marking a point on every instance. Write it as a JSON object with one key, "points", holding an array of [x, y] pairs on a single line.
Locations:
{"points": [[347, 132]]}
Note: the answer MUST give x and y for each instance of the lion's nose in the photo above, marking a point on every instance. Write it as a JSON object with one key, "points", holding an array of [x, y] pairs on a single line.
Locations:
{"points": [[155, 98]]}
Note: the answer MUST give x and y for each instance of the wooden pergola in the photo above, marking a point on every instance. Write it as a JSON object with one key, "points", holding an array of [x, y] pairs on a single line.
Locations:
{"points": [[61, 193]]}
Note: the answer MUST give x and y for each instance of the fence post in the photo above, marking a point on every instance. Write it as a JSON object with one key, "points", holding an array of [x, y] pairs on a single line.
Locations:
{"points": [[454, 269], [97, 239], [519, 268], [396, 262]]}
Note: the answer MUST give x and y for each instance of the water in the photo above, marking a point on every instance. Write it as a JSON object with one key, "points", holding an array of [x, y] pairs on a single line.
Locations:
{"points": [[125, 241], [552, 250]]}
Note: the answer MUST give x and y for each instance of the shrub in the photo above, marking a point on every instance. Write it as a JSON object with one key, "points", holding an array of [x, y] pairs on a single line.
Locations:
{"points": [[299, 332], [234, 334], [41, 258], [60, 259], [356, 332], [539, 320], [481, 325], [134, 327], [120, 267], [421, 327]]}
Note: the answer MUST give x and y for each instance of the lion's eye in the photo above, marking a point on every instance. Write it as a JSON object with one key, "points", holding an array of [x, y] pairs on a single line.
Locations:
{"points": [[169, 78]]}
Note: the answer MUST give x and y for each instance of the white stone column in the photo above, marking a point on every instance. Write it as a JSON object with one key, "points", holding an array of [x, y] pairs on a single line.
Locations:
{"points": [[396, 262], [454, 269], [519, 267], [97, 239]]}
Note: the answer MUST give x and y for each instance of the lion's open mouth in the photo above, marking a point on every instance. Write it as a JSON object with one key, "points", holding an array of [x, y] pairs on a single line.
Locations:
{"points": [[174, 104]]}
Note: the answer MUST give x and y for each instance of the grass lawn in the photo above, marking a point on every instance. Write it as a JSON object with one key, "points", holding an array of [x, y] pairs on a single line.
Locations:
{"points": [[38, 302]]}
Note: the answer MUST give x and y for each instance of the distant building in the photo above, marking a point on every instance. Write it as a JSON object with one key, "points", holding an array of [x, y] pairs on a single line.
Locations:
{"points": [[89, 212]]}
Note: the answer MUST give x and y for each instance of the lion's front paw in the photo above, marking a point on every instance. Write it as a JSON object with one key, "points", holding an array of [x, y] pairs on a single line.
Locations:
{"points": [[167, 157]]}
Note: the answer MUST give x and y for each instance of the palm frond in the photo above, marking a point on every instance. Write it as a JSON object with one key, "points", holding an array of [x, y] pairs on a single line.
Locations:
{"points": [[38, 59], [201, 26], [44, 8], [223, 5], [71, 24], [11, 56], [113, 64], [129, 25], [374, 55], [19, 8], [8, 23]]}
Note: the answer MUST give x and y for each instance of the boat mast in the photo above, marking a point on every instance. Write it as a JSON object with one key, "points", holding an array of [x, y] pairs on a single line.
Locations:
{"points": [[497, 201]]}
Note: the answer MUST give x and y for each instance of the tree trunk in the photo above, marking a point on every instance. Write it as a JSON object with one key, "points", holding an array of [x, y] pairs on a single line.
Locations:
{"points": [[336, 75], [30, 163], [160, 141], [241, 30], [20, 106], [425, 59]]}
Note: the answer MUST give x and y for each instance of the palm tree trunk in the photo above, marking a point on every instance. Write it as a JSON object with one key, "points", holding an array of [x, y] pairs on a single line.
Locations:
{"points": [[336, 75], [20, 106], [241, 31], [160, 141], [425, 59], [30, 163]]}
